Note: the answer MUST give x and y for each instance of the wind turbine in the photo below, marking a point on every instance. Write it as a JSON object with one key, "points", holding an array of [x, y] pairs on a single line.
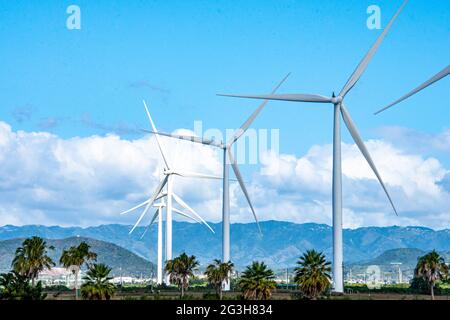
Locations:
{"points": [[159, 214], [339, 109], [442, 74], [228, 159], [167, 181]]}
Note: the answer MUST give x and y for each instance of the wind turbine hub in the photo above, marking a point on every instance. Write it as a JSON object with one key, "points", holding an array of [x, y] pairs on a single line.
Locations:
{"points": [[336, 100]]}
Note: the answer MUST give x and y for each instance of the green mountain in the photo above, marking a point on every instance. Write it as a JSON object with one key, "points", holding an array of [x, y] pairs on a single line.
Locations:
{"points": [[389, 263], [406, 256], [119, 259]]}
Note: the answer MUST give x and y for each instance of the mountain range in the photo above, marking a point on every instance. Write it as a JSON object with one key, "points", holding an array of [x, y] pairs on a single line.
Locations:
{"points": [[280, 245]]}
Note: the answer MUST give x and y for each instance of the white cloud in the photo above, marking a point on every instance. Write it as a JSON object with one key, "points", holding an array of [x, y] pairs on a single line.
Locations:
{"points": [[303, 186], [84, 181], [45, 179], [416, 141]]}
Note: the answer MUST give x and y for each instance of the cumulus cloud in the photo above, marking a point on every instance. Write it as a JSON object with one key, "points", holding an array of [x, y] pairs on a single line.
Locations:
{"points": [[85, 181], [416, 141], [302, 187], [45, 179], [445, 182]]}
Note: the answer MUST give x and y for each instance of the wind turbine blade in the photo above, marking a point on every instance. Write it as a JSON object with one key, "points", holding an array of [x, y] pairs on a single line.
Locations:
{"points": [[437, 77], [284, 97], [161, 149], [150, 202], [136, 207], [185, 215], [362, 147], [151, 223], [188, 138], [154, 218], [255, 113], [187, 207], [356, 75], [190, 174], [241, 183], [161, 195]]}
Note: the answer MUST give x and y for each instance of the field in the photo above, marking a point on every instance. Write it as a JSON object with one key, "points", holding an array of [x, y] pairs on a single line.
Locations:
{"points": [[141, 293]]}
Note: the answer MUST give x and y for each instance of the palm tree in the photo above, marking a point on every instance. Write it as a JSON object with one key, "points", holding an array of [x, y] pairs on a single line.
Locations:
{"points": [[31, 258], [432, 268], [217, 273], [257, 281], [180, 270], [313, 274], [77, 256], [14, 286], [97, 285]]}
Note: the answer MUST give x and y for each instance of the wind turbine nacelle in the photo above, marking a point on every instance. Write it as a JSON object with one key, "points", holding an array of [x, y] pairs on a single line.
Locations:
{"points": [[336, 100], [167, 172]]}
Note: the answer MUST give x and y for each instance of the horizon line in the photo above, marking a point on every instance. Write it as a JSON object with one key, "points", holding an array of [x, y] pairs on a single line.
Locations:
{"points": [[219, 223]]}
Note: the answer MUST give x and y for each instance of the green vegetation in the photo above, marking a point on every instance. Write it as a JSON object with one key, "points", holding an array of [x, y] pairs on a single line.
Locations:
{"points": [[77, 256], [31, 258], [257, 282], [97, 285], [313, 274], [312, 278], [15, 286], [217, 273], [180, 270], [431, 268], [121, 260]]}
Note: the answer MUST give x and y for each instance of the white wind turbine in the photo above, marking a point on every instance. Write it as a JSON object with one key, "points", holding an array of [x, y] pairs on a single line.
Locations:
{"points": [[167, 181], [159, 215], [228, 159], [339, 109], [442, 74]]}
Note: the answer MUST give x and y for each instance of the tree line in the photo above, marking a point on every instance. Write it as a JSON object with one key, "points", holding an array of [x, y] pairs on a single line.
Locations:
{"points": [[32, 258], [312, 274]]}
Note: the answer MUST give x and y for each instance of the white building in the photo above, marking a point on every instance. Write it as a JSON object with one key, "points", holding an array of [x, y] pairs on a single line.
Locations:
{"points": [[59, 276]]}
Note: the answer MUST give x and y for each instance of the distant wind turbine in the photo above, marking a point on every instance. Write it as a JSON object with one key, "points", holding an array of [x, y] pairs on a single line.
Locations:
{"points": [[228, 159], [339, 109], [167, 181], [440, 75], [159, 214]]}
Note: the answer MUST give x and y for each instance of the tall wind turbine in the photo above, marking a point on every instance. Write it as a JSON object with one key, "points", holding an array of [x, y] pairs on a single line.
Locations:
{"points": [[442, 74], [228, 159], [167, 181], [339, 109]]}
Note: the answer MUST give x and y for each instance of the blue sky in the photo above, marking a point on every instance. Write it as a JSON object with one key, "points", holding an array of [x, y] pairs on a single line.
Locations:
{"points": [[179, 54]]}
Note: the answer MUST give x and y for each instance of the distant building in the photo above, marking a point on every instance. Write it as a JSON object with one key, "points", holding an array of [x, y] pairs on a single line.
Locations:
{"points": [[59, 276]]}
